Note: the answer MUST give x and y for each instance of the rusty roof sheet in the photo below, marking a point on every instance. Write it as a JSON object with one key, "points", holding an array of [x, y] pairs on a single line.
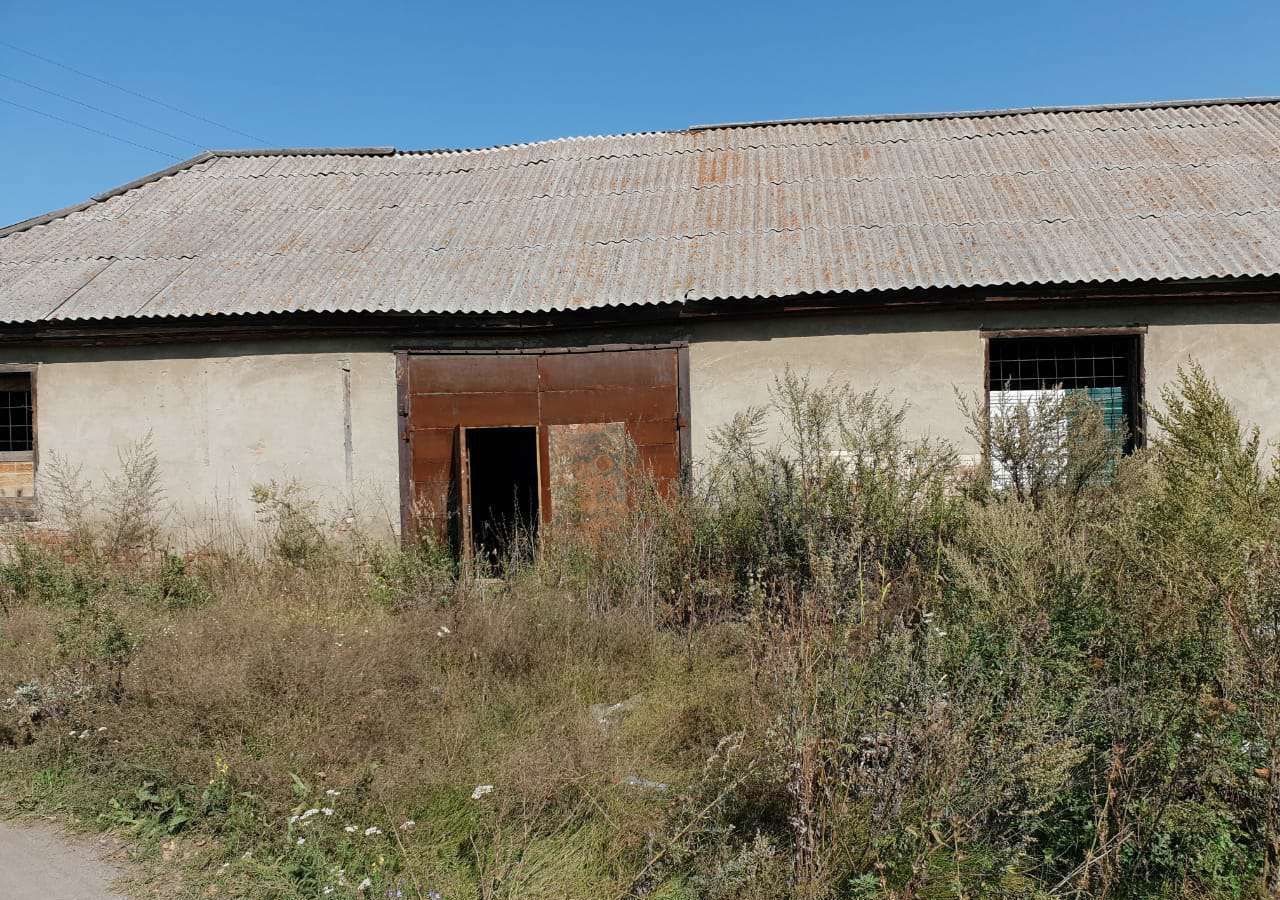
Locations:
{"points": [[1180, 190]]}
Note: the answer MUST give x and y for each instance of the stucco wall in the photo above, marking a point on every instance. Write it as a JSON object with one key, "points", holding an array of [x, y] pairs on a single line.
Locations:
{"points": [[224, 416], [924, 358]]}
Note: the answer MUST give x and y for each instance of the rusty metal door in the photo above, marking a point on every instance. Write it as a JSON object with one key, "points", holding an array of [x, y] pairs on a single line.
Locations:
{"points": [[579, 400]]}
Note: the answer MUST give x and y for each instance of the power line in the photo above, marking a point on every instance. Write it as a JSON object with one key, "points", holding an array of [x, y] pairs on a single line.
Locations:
{"points": [[105, 112], [133, 93], [47, 115]]}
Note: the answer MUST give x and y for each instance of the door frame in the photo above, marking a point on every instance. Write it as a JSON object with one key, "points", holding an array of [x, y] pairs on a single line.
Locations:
{"points": [[404, 412]]}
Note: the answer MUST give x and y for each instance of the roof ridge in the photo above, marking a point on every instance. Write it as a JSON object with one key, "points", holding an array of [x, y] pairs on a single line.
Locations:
{"points": [[993, 113]]}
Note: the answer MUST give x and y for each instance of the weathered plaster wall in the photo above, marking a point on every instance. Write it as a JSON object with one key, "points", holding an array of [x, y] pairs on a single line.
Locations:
{"points": [[224, 417], [227, 415], [924, 358], [915, 358]]}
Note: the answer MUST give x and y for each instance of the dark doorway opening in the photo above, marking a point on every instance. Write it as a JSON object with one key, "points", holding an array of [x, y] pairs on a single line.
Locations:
{"points": [[503, 480]]}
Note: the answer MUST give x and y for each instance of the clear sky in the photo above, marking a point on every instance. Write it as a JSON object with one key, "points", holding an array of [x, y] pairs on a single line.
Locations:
{"points": [[467, 73]]}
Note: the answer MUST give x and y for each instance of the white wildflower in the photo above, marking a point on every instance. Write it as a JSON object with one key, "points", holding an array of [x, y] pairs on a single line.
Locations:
{"points": [[332, 793], [481, 790], [309, 813], [350, 829], [301, 841], [408, 825], [327, 811], [372, 830], [364, 885], [292, 819], [328, 889]]}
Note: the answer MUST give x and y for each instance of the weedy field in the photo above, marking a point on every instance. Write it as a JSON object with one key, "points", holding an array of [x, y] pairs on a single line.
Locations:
{"points": [[839, 667]]}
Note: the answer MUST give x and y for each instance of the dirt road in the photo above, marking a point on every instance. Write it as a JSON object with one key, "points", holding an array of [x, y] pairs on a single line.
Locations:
{"points": [[37, 862]]}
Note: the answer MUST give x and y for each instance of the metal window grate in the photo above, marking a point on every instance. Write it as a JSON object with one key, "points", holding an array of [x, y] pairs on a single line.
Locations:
{"points": [[1037, 364], [1103, 365], [16, 432]]}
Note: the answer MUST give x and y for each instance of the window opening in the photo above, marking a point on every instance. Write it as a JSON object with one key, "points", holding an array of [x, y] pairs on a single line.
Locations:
{"points": [[1104, 367], [16, 432], [1023, 372], [503, 477]]}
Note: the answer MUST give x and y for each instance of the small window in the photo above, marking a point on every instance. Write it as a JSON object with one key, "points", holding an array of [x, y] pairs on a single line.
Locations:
{"points": [[1106, 367], [17, 434], [17, 445]]}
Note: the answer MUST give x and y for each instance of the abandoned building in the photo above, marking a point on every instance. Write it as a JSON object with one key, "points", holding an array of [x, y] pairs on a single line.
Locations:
{"points": [[465, 332]]}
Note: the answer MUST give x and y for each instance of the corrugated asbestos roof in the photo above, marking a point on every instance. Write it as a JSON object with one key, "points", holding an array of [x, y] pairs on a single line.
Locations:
{"points": [[1181, 190]]}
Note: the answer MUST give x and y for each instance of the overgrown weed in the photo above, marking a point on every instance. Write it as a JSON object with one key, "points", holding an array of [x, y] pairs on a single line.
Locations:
{"points": [[835, 667]]}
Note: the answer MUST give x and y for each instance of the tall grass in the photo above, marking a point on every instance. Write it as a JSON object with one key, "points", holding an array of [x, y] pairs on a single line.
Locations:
{"points": [[836, 666]]}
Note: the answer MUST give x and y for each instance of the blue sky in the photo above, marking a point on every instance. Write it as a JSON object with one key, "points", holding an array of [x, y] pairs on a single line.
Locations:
{"points": [[461, 74]]}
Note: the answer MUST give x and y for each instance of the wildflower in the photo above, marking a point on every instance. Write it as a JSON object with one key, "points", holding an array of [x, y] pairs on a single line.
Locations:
{"points": [[365, 885], [301, 841], [328, 889], [350, 829], [408, 825], [372, 830], [102, 729], [444, 631], [481, 790], [84, 734], [327, 811], [292, 819], [332, 793], [433, 895], [309, 813]]}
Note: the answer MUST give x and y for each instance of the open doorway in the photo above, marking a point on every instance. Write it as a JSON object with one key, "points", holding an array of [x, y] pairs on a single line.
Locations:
{"points": [[502, 466]]}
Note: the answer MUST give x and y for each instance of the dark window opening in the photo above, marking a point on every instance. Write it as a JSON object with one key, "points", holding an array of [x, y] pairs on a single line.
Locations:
{"points": [[1106, 367], [503, 482], [17, 434]]}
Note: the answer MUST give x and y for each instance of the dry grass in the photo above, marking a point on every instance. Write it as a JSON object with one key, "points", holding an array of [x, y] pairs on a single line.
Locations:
{"points": [[299, 672], [844, 672]]}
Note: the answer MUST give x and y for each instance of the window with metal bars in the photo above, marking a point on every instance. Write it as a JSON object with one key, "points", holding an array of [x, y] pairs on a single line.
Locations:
{"points": [[1106, 367], [17, 432]]}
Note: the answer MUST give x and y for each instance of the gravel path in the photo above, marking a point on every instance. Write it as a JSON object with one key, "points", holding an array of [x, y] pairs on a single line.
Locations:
{"points": [[38, 862]]}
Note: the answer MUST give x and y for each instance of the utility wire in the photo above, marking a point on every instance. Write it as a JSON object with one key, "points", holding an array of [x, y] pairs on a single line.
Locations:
{"points": [[105, 112], [111, 84], [48, 115]]}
